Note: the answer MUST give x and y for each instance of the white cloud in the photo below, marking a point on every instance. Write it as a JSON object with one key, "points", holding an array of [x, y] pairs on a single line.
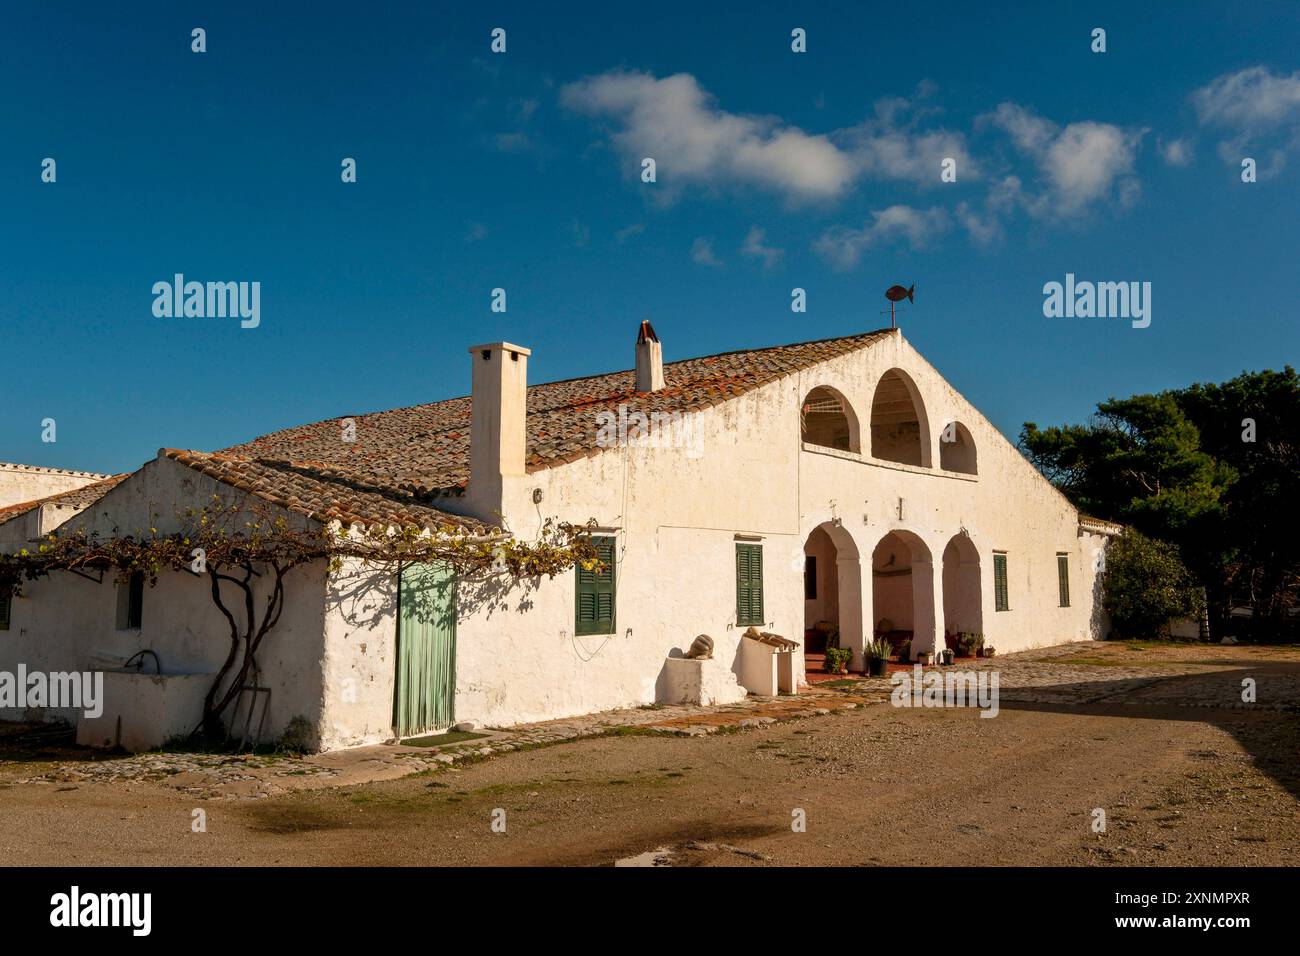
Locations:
{"points": [[1259, 110], [627, 232], [1084, 163], [1177, 152], [1253, 99], [890, 145], [984, 229], [677, 123], [843, 247], [702, 252], [754, 246]]}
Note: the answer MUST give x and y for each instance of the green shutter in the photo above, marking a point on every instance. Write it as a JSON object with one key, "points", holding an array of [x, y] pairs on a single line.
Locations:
{"points": [[749, 584], [1000, 597], [595, 590], [1063, 578]]}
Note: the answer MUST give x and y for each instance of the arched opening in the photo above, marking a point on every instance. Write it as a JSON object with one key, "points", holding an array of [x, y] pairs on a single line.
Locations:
{"points": [[963, 610], [902, 593], [832, 599], [899, 430], [957, 449], [826, 418]]}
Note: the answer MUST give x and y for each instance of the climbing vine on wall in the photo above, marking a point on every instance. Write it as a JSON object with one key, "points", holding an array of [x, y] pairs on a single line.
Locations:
{"points": [[237, 544]]}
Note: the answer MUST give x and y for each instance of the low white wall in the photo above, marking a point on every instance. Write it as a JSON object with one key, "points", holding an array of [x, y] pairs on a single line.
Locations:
{"points": [[65, 622], [143, 711]]}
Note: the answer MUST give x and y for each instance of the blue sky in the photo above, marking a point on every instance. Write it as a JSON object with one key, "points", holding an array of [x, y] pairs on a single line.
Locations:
{"points": [[520, 170]]}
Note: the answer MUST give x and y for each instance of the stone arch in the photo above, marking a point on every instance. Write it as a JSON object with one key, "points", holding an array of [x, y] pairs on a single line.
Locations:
{"points": [[900, 429], [957, 449], [827, 418], [833, 590], [963, 607], [902, 591]]}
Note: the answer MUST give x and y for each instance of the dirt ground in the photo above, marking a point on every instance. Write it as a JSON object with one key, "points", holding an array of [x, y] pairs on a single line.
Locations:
{"points": [[1183, 776]]}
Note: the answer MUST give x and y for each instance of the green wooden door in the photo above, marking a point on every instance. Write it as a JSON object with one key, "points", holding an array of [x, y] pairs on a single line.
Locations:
{"points": [[426, 649]]}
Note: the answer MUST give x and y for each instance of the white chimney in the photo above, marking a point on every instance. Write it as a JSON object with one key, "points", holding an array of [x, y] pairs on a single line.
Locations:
{"points": [[498, 432], [649, 360]]}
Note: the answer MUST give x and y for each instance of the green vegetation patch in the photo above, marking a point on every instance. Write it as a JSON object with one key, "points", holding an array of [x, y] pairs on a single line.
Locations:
{"points": [[438, 740]]}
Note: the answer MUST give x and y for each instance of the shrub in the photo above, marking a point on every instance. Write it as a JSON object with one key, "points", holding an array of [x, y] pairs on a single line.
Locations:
{"points": [[836, 658], [1146, 585]]}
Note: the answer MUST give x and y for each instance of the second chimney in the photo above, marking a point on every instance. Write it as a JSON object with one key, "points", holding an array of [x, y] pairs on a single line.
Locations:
{"points": [[649, 360], [498, 420]]}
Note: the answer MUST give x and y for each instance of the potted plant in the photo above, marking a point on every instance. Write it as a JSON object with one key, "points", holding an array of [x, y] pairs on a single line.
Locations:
{"points": [[969, 643], [905, 651], [837, 660], [945, 656], [988, 650], [878, 652]]}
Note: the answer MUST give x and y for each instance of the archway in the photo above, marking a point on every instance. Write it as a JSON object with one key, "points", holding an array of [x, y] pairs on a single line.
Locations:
{"points": [[957, 449], [902, 592], [832, 598], [826, 418], [963, 610], [900, 431]]}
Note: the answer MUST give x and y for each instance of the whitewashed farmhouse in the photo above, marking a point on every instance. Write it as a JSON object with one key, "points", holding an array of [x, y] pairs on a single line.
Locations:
{"points": [[839, 483]]}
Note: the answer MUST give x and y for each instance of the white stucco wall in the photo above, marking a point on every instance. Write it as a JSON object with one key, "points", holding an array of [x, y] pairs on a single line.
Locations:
{"points": [[360, 661], [19, 483], [66, 622], [677, 518]]}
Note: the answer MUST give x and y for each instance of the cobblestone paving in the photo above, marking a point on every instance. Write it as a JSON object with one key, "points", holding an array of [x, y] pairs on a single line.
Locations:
{"points": [[1072, 674]]}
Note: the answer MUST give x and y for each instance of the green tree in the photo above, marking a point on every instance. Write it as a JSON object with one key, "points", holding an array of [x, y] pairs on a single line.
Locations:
{"points": [[1137, 461], [1251, 425], [1213, 469], [1146, 585]]}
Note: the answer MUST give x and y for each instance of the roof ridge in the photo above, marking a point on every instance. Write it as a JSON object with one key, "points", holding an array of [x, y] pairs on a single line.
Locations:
{"points": [[694, 358], [424, 450], [20, 508]]}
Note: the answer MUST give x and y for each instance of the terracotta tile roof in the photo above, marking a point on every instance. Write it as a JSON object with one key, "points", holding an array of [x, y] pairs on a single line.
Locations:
{"points": [[1089, 523], [318, 491], [81, 497], [403, 460]]}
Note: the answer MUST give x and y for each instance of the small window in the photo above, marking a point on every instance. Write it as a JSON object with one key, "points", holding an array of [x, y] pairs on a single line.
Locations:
{"points": [[6, 603], [594, 602], [1063, 578], [130, 598], [810, 577], [1001, 601], [749, 584]]}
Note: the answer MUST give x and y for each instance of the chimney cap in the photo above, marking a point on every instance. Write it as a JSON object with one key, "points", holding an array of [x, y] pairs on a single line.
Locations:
{"points": [[502, 347], [647, 333]]}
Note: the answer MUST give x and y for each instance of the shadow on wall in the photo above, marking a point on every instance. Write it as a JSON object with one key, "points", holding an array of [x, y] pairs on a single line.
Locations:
{"points": [[1099, 622], [370, 597]]}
